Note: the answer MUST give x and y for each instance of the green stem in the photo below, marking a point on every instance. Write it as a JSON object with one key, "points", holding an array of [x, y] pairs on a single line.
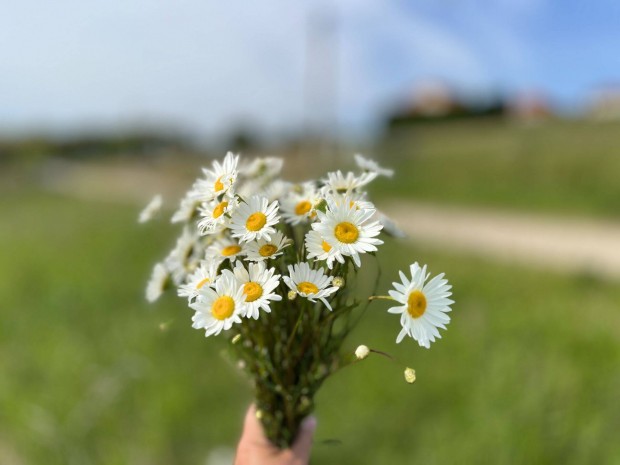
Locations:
{"points": [[290, 339]]}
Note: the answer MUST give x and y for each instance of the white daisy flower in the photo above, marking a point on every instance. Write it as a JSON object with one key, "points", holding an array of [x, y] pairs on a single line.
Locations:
{"points": [[151, 209], [389, 226], [186, 209], [254, 219], [319, 249], [185, 256], [372, 166], [218, 307], [218, 180], [298, 207], [338, 183], [274, 189], [348, 230], [260, 250], [309, 283], [215, 215], [157, 283], [224, 248], [424, 306], [353, 199], [267, 167], [248, 188], [258, 284], [204, 275]]}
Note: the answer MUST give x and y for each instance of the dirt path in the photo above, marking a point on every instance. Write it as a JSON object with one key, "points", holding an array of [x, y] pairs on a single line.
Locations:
{"points": [[575, 245]]}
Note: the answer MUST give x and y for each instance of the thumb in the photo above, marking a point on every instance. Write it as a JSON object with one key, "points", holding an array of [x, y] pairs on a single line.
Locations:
{"points": [[302, 445], [252, 429]]}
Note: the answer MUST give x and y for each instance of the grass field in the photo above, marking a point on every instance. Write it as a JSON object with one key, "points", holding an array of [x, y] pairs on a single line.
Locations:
{"points": [[526, 373], [567, 167]]}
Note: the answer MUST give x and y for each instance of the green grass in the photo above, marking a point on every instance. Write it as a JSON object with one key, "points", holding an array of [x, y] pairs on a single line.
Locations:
{"points": [[570, 167], [526, 373]]}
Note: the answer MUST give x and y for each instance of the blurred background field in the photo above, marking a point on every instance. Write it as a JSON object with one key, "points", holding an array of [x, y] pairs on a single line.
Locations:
{"points": [[92, 374], [476, 105]]}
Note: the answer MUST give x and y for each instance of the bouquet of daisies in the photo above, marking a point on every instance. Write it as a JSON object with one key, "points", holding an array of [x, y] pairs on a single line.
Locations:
{"points": [[271, 266]]}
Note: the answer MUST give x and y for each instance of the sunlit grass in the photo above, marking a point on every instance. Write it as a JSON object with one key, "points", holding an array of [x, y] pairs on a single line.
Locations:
{"points": [[558, 167], [526, 373]]}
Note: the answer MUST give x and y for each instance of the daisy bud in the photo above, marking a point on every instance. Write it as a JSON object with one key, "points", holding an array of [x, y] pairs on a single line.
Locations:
{"points": [[338, 281], [151, 210], [321, 206], [362, 352], [291, 295], [409, 375]]}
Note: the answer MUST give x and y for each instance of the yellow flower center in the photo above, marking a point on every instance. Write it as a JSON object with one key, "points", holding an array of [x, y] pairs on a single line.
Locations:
{"points": [[252, 291], [219, 209], [202, 283], [231, 250], [303, 207], [218, 186], [346, 232], [326, 247], [307, 288], [223, 307], [267, 250], [256, 221], [416, 304]]}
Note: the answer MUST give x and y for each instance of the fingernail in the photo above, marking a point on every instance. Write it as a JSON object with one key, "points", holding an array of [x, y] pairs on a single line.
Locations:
{"points": [[309, 423]]}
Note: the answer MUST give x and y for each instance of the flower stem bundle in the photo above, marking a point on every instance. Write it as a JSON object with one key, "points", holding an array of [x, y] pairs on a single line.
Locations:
{"points": [[272, 266]]}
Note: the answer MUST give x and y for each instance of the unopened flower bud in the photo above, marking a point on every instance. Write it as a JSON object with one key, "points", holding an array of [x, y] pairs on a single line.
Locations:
{"points": [[291, 295], [409, 375], [362, 352], [338, 281], [321, 206]]}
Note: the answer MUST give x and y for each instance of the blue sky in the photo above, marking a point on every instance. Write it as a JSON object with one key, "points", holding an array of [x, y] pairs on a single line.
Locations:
{"points": [[205, 65]]}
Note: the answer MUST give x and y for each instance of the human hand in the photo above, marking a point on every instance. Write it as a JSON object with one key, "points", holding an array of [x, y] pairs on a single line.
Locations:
{"points": [[255, 449]]}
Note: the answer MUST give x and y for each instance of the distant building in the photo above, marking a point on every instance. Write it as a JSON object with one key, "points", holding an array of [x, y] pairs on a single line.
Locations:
{"points": [[530, 107], [433, 99], [436, 101]]}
